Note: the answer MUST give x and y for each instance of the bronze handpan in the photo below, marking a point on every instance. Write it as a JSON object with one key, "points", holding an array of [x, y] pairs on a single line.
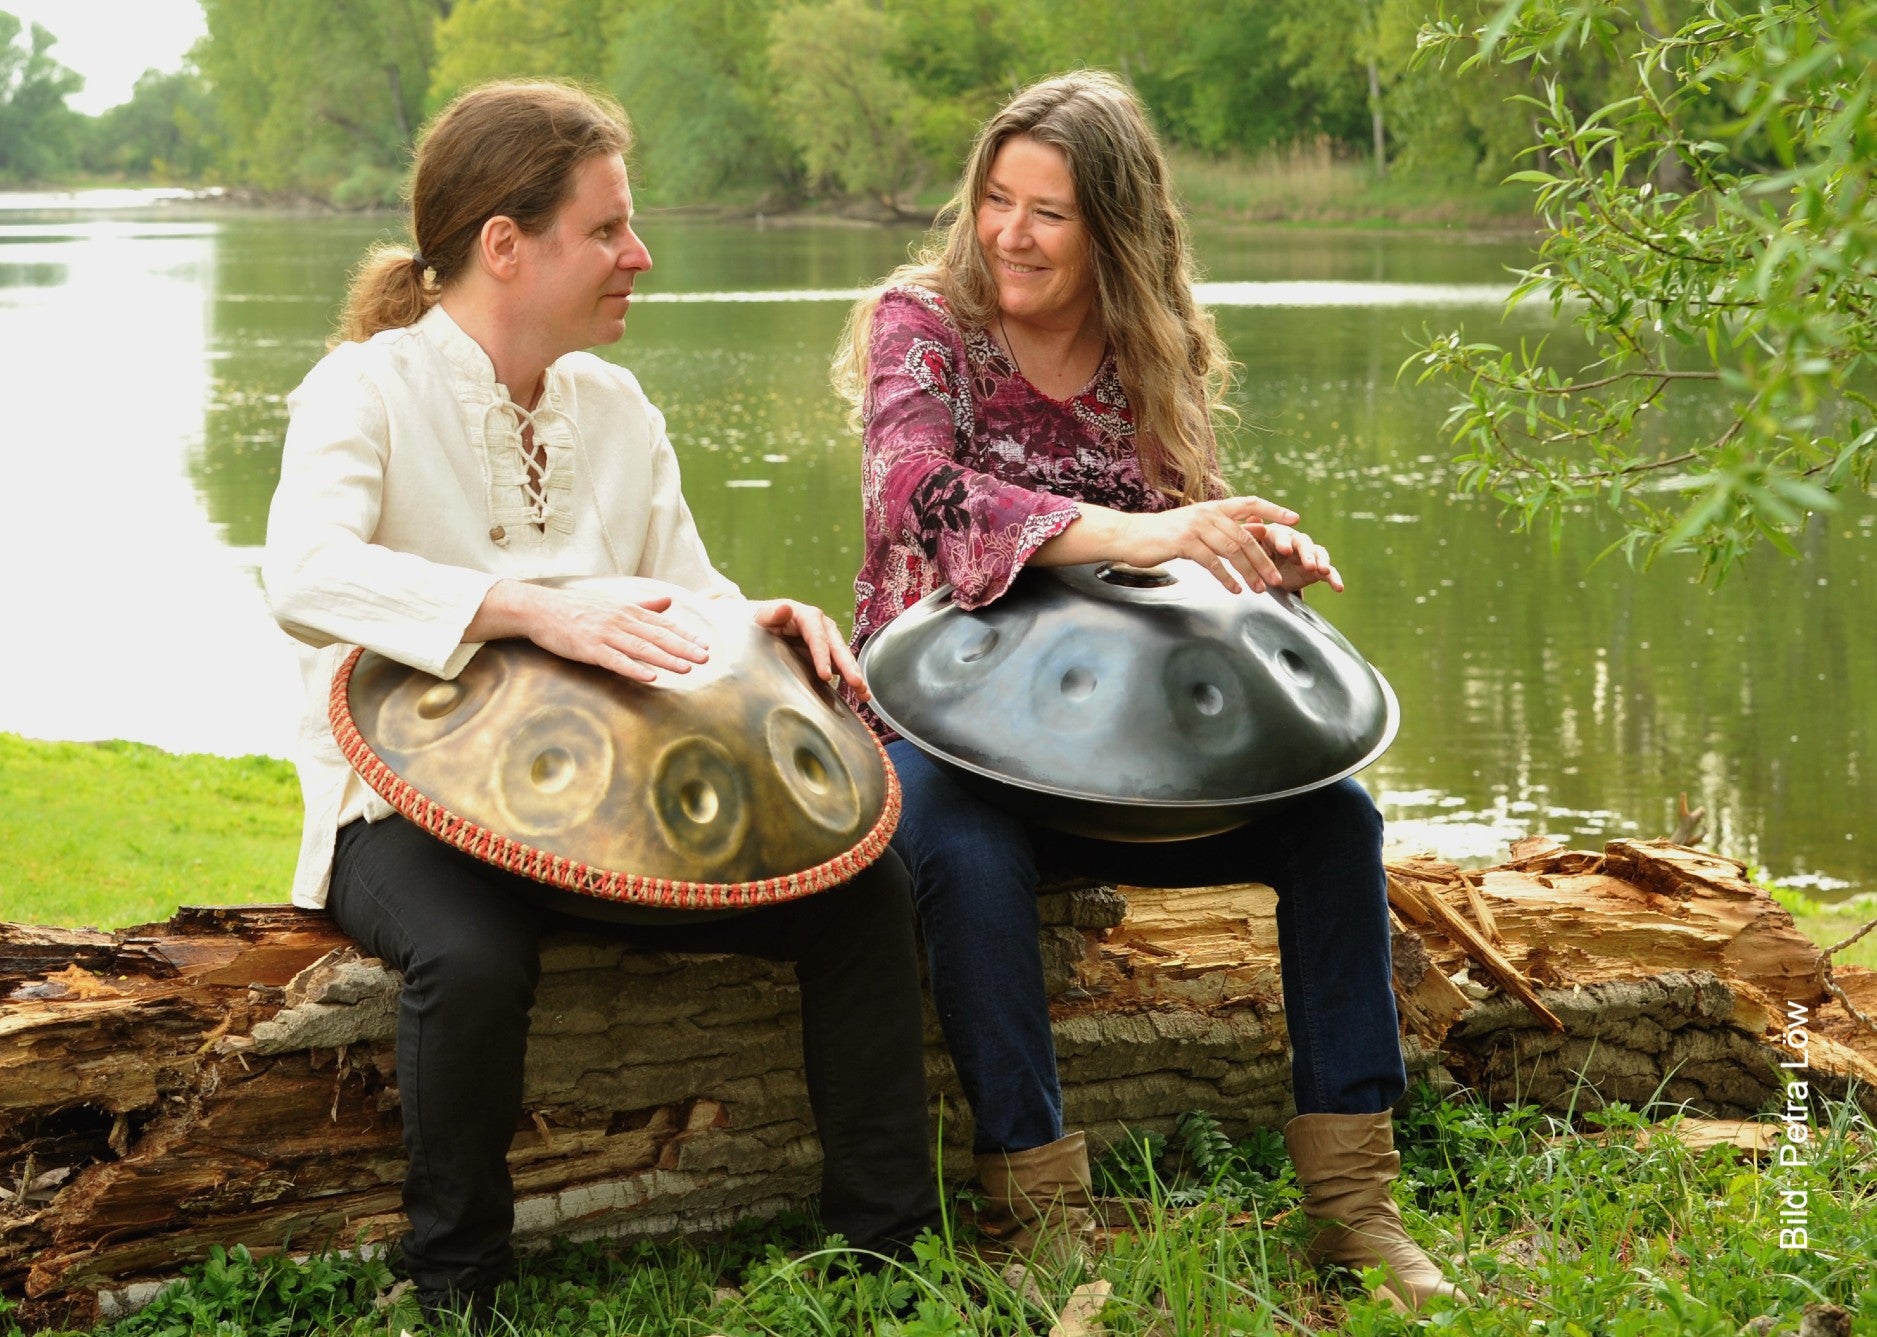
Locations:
{"points": [[741, 783], [1128, 703]]}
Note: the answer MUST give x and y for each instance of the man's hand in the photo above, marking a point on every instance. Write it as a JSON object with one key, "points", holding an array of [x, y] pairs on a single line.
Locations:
{"points": [[820, 638], [632, 639]]}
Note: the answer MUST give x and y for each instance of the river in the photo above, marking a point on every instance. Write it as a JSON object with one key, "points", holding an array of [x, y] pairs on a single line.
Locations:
{"points": [[150, 350]]}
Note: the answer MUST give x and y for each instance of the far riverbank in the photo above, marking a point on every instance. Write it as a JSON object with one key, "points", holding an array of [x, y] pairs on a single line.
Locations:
{"points": [[1301, 186]]}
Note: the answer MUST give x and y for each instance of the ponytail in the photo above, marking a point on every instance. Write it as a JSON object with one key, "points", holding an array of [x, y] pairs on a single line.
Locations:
{"points": [[390, 289]]}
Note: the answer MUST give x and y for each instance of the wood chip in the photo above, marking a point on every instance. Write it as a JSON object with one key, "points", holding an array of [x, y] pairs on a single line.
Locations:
{"points": [[1753, 1136], [1406, 894], [1747, 1135], [1081, 1315]]}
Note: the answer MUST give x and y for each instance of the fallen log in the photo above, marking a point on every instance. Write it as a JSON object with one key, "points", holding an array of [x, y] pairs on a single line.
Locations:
{"points": [[228, 1076]]}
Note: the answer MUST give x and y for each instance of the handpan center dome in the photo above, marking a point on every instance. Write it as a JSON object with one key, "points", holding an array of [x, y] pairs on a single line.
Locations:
{"points": [[1131, 703]]}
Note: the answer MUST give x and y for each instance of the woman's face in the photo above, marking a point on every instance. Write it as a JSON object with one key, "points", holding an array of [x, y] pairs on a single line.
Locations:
{"points": [[1033, 236]]}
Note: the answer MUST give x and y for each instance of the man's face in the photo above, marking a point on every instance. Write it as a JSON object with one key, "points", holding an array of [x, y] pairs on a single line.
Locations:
{"points": [[580, 270]]}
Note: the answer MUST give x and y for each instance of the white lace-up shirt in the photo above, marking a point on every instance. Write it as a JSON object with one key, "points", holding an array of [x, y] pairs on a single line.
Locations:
{"points": [[405, 494]]}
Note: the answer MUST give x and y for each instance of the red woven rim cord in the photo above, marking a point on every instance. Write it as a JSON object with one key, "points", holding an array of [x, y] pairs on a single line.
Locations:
{"points": [[515, 856]]}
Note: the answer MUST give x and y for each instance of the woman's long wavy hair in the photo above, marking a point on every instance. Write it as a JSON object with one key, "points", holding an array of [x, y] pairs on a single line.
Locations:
{"points": [[1166, 348], [501, 149]]}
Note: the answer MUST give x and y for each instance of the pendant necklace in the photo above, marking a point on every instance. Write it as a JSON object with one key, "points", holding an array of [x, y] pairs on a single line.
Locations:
{"points": [[1008, 349]]}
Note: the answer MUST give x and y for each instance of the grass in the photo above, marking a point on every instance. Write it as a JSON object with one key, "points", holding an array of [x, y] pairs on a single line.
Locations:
{"points": [[1829, 923], [1309, 182], [111, 834], [1557, 1227]]}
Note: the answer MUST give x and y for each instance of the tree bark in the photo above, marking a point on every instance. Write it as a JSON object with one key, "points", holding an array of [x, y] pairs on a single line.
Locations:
{"points": [[228, 1076]]}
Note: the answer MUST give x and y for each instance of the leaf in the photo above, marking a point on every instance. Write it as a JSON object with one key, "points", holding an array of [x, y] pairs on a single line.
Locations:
{"points": [[1803, 493]]}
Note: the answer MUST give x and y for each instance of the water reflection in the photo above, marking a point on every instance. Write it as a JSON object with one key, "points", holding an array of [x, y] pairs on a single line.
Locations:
{"points": [[1543, 691], [1539, 691], [40, 275], [1319, 293], [126, 613]]}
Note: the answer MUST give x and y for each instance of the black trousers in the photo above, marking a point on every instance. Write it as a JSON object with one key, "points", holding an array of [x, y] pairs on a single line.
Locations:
{"points": [[465, 935]]}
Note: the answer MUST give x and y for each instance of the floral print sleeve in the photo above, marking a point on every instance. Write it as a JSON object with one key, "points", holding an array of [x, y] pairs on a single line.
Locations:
{"points": [[930, 515], [968, 468]]}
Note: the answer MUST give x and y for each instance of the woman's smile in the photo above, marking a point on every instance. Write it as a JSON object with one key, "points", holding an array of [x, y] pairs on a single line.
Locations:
{"points": [[1033, 237]]}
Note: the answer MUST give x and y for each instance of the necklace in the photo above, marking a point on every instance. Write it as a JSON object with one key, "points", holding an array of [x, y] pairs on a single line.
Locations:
{"points": [[1008, 348], [1011, 352]]}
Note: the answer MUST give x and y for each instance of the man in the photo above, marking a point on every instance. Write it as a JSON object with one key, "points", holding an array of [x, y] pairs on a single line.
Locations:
{"points": [[457, 447]]}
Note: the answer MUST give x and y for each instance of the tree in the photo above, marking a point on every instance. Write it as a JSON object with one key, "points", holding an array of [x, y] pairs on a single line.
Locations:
{"points": [[853, 117], [1350, 51], [1230, 88], [321, 95], [1755, 282], [695, 77], [965, 57], [167, 130], [1138, 39], [37, 130], [514, 39]]}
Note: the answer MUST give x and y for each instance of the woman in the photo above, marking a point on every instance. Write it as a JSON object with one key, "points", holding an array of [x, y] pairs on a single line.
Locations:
{"points": [[1040, 388], [458, 448]]}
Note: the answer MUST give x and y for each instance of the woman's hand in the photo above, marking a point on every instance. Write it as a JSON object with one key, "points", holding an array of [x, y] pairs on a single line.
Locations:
{"points": [[632, 639], [1216, 534], [1300, 560], [820, 637]]}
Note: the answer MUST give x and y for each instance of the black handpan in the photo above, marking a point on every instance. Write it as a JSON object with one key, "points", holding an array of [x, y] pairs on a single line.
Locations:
{"points": [[1131, 703]]}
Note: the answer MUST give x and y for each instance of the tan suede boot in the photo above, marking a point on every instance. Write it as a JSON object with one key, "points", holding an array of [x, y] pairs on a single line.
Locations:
{"points": [[1039, 1203], [1347, 1163]]}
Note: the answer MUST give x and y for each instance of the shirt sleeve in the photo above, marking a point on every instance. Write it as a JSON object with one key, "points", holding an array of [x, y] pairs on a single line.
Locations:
{"points": [[326, 581], [974, 527]]}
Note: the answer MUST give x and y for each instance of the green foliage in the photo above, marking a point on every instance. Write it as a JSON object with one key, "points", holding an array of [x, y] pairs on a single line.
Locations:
{"points": [[965, 58], [773, 103], [1235, 87], [316, 93], [694, 74], [518, 39], [167, 131], [1201, 1164], [38, 132], [1353, 71], [854, 117], [235, 1294], [1712, 229], [109, 834]]}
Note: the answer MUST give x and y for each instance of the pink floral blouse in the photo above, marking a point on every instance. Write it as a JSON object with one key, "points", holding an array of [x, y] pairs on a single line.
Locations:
{"points": [[968, 468]]}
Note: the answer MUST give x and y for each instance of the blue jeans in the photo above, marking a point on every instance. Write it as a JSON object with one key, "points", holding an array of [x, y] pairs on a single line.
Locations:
{"points": [[974, 880]]}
